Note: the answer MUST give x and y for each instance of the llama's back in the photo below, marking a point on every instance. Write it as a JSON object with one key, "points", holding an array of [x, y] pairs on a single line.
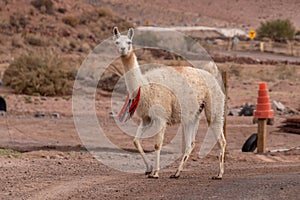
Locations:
{"points": [[180, 91]]}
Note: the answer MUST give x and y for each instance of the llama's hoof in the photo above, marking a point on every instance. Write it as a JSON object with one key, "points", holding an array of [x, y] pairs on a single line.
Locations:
{"points": [[216, 178], [175, 176], [149, 171], [153, 176]]}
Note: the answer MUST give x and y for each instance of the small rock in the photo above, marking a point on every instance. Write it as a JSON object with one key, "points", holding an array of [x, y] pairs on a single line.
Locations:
{"points": [[84, 48], [2, 113], [55, 115], [247, 110], [278, 106], [112, 114], [39, 114]]}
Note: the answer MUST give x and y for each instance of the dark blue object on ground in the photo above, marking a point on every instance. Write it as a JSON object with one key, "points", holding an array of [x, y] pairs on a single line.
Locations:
{"points": [[2, 104]]}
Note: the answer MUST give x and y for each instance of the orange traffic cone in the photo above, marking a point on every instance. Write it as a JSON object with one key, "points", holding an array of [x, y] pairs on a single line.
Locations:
{"points": [[263, 112], [263, 107]]}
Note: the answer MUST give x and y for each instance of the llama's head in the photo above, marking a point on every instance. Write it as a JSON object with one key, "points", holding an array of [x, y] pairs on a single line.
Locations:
{"points": [[123, 42]]}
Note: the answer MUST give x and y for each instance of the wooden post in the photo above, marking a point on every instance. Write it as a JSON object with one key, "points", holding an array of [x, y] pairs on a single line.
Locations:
{"points": [[261, 135], [229, 44], [225, 82]]}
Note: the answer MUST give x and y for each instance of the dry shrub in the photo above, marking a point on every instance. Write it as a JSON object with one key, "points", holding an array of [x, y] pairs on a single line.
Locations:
{"points": [[44, 6], [17, 41], [62, 10], [36, 40], [283, 72], [18, 21], [104, 12], [43, 74], [71, 20], [286, 72], [101, 21], [95, 15], [235, 70]]}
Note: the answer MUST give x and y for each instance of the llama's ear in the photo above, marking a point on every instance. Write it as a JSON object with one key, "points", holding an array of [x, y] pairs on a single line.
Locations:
{"points": [[116, 33], [130, 33]]}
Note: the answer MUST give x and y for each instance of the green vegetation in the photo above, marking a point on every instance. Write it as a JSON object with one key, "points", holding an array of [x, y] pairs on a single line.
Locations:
{"points": [[277, 30], [27, 99], [9, 152], [43, 74]]}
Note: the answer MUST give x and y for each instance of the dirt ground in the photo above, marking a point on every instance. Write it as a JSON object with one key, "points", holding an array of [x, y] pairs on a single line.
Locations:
{"points": [[49, 161], [55, 165]]}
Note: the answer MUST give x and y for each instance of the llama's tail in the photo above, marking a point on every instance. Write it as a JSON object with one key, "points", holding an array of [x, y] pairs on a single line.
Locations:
{"points": [[214, 111], [212, 68], [208, 109]]}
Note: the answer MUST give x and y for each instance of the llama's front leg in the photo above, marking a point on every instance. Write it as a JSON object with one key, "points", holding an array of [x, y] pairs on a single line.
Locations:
{"points": [[189, 146], [138, 145], [158, 146], [222, 145]]}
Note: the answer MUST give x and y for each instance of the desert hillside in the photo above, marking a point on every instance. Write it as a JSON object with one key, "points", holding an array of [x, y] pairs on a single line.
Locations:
{"points": [[67, 27], [221, 13], [75, 26]]}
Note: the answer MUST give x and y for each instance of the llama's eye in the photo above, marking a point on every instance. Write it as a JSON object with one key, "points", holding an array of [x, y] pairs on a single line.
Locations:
{"points": [[129, 42], [117, 42]]}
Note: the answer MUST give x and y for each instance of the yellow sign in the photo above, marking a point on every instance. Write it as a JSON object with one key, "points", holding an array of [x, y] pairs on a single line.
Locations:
{"points": [[252, 34]]}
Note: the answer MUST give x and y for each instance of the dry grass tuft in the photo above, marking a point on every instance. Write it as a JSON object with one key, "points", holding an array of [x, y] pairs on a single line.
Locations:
{"points": [[104, 12], [44, 74], [71, 20], [235, 70], [43, 6], [36, 40]]}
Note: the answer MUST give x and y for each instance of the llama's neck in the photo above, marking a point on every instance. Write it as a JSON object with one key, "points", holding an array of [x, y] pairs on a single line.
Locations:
{"points": [[133, 76]]}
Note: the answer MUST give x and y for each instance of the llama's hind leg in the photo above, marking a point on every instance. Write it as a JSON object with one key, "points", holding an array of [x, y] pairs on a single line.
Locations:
{"points": [[214, 112], [189, 134], [137, 144], [222, 145], [217, 131]]}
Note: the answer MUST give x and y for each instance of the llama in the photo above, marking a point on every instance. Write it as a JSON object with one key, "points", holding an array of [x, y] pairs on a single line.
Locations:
{"points": [[145, 95]]}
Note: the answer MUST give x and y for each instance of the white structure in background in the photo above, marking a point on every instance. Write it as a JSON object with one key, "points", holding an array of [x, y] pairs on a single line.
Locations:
{"points": [[225, 32]]}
